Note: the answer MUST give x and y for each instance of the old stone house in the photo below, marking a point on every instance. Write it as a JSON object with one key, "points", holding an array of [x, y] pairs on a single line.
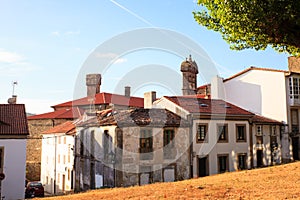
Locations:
{"points": [[131, 147], [70, 110]]}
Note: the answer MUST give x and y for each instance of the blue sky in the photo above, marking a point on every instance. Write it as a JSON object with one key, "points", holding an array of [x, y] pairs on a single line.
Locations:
{"points": [[43, 45]]}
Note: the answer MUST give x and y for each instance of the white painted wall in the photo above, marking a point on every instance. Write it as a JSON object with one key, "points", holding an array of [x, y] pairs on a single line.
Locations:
{"points": [[212, 148], [262, 92], [64, 167], [14, 168]]}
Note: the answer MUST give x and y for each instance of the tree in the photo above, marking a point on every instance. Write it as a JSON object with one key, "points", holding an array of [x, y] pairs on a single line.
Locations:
{"points": [[254, 23]]}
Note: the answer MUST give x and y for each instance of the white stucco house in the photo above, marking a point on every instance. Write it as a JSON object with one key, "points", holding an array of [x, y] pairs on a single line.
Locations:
{"points": [[13, 139], [58, 158], [223, 136]]}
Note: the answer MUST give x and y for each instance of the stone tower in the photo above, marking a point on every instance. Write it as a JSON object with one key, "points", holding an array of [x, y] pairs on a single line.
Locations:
{"points": [[189, 71], [93, 82]]}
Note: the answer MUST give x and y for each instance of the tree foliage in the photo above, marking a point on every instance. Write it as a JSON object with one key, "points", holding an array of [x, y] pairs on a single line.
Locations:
{"points": [[254, 23]]}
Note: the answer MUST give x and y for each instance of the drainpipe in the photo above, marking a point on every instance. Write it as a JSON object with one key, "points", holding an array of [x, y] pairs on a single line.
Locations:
{"points": [[55, 149], [251, 143], [190, 122]]}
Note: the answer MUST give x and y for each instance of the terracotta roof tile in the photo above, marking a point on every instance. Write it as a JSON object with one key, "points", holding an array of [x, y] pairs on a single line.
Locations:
{"points": [[67, 128], [194, 104], [105, 98], [264, 120], [60, 114], [13, 119]]}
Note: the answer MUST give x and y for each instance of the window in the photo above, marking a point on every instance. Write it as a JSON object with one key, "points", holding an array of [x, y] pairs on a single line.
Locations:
{"points": [[81, 143], [223, 163], [241, 133], [69, 174], [295, 120], [64, 159], [169, 143], [294, 85], [58, 158], [59, 140], [259, 130], [106, 142], [146, 144], [223, 133], [65, 140], [242, 164], [69, 153], [201, 133], [273, 130], [92, 148], [1, 158], [58, 177], [120, 138], [169, 138]]}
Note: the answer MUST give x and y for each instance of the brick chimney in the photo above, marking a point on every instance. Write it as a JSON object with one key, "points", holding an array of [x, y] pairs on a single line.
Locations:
{"points": [[127, 91], [294, 64], [93, 82]]}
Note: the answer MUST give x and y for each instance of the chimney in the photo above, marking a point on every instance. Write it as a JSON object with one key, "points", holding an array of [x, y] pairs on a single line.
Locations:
{"points": [[12, 100], [217, 88], [149, 98], [93, 82], [294, 64], [127, 91]]}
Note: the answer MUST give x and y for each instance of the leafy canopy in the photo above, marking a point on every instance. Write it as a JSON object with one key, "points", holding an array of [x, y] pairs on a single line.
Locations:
{"points": [[254, 23]]}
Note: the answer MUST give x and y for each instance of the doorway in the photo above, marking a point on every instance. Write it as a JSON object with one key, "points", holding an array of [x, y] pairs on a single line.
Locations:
{"points": [[295, 145], [259, 158], [203, 167]]}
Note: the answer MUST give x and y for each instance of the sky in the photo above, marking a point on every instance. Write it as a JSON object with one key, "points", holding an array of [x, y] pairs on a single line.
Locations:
{"points": [[46, 47]]}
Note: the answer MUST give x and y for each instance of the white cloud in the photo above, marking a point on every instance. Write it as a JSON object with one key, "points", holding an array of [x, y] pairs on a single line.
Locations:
{"points": [[111, 56], [14, 64], [10, 57]]}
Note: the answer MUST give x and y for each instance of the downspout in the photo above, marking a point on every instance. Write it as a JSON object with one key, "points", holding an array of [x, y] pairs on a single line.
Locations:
{"points": [[55, 149], [190, 125], [251, 142]]}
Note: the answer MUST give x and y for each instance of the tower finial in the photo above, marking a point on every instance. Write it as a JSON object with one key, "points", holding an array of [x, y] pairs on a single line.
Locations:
{"points": [[190, 58]]}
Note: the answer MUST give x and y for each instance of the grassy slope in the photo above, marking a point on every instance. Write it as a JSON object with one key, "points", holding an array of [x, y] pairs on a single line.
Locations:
{"points": [[279, 182]]}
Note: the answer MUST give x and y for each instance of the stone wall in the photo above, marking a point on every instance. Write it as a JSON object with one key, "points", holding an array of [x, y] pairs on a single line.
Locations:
{"points": [[137, 171], [34, 145], [294, 64]]}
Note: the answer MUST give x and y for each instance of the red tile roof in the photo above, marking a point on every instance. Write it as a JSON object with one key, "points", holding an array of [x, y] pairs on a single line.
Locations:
{"points": [[13, 120], [105, 98], [255, 68], [67, 128], [60, 114], [194, 104], [264, 120]]}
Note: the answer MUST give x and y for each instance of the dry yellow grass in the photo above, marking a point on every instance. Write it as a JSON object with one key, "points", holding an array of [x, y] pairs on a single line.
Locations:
{"points": [[279, 182]]}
